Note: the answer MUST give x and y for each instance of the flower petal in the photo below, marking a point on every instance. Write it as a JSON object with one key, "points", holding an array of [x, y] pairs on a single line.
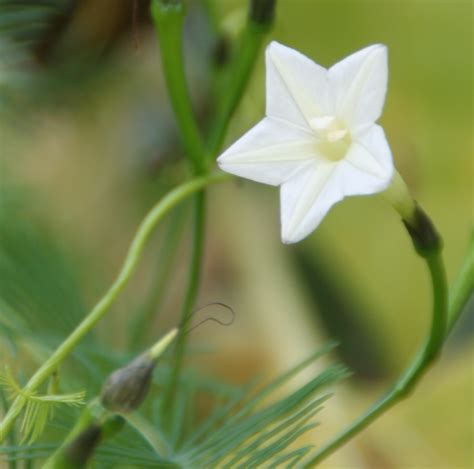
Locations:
{"points": [[270, 152], [368, 166], [359, 84], [296, 87], [306, 198]]}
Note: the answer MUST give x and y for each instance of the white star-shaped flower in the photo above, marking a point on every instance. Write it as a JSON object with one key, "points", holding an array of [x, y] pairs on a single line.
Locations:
{"points": [[319, 141]]}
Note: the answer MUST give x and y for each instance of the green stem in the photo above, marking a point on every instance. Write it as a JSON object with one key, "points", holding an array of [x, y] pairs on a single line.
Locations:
{"points": [[189, 301], [407, 382], [131, 261], [168, 19], [235, 82], [463, 287]]}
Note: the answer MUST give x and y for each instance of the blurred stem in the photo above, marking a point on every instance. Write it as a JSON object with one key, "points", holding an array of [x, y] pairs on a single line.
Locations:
{"points": [[407, 382], [235, 82], [132, 259], [189, 301], [168, 19], [463, 287], [167, 253], [89, 415], [148, 432], [210, 9], [11, 437], [94, 425]]}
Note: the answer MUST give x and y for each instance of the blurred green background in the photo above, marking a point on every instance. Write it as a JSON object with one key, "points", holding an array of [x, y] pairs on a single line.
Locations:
{"points": [[88, 143]]}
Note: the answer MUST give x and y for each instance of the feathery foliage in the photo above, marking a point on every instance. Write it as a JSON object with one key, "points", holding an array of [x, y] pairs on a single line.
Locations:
{"points": [[38, 410], [245, 429]]}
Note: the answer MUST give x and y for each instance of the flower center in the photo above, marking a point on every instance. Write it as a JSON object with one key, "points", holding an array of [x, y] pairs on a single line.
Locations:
{"points": [[333, 136]]}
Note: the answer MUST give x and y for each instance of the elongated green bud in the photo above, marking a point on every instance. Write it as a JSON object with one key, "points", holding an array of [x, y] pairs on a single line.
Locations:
{"points": [[77, 452], [126, 388]]}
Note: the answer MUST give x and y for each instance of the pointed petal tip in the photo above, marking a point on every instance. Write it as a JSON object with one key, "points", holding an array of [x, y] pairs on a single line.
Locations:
{"points": [[276, 48], [285, 239], [380, 50], [373, 50], [272, 49], [223, 165], [273, 45], [378, 46], [292, 237], [220, 163]]}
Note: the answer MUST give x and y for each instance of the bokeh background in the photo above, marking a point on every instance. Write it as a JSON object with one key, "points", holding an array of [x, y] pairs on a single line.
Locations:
{"points": [[88, 144]]}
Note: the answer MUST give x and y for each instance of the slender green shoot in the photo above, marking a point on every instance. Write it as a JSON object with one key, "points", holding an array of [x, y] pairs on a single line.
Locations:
{"points": [[463, 287], [407, 382]]}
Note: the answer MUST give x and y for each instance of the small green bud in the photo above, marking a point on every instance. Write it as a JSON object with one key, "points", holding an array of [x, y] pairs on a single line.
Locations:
{"points": [[126, 388], [262, 12]]}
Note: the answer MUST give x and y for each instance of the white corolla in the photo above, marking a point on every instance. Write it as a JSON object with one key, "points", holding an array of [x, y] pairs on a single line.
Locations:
{"points": [[319, 141]]}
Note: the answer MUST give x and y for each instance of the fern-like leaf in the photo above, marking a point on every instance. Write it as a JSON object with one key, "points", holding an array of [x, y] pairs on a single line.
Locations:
{"points": [[38, 410]]}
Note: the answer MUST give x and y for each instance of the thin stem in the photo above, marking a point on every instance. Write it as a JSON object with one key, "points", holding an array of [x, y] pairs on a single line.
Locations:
{"points": [[168, 20], [463, 287], [131, 261], [235, 82], [189, 301], [11, 439], [407, 382]]}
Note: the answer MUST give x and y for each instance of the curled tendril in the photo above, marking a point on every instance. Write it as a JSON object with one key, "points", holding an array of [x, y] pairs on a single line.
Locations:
{"points": [[209, 319]]}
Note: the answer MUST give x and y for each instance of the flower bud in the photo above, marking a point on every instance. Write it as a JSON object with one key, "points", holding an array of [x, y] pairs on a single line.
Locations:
{"points": [[90, 430], [78, 452], [423, 233], [126, 388], [262, 11]]}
